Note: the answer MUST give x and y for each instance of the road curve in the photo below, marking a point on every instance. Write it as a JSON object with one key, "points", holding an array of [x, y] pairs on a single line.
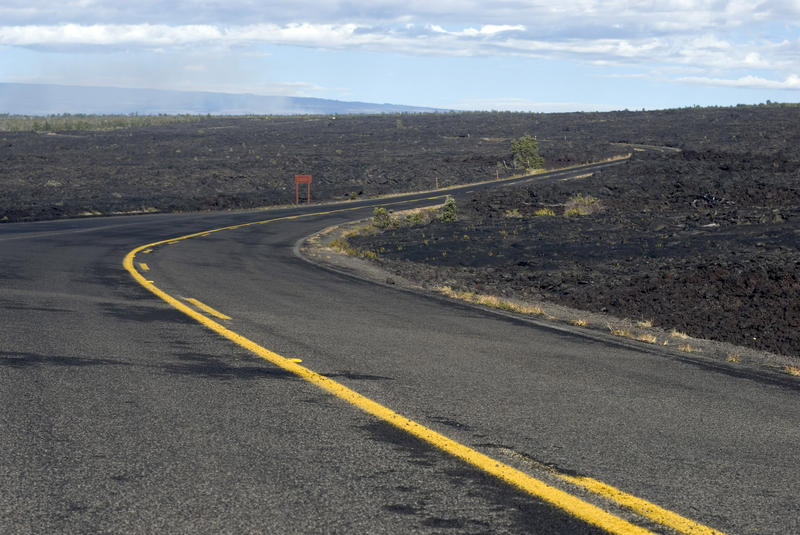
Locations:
{"points": [[123, 414]]}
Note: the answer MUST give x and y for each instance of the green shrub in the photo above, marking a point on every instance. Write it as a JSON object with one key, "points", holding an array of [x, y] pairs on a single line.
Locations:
{"points": [[416, 218], [449, 214], [525, 151], [381, 218]]}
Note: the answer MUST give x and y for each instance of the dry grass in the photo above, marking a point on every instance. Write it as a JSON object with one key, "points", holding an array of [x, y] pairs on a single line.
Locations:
{"points": [[544, 212], [689, 349], [385, 219], [620, 332], [426, 210], [490, 301], [792, 370], [678, 334], [361, 230], [645, 324], [582, 205], [343, 247], [732, 357], [649, 338], [580, 323]]}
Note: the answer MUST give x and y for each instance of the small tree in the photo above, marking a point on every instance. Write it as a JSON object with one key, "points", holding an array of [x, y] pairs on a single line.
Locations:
{"points": [[526, 153], [449, 210]]}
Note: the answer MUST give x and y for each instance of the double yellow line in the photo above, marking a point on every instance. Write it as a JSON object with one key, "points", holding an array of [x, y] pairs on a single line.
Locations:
{"points": [[567, 502]]}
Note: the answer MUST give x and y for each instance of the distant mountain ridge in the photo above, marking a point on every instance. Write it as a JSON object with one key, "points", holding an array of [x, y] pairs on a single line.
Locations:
{"points": [[47, 99]]}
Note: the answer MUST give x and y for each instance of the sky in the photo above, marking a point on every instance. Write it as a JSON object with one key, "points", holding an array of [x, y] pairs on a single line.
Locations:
{"points": [[541, 56]]}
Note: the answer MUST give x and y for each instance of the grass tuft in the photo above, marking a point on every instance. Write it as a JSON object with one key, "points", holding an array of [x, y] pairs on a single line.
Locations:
{"points": [[490, 301], [689, 349], [792, 370], [678, 334], [620, 332], [344, 247], [732, 357], [580, 323], [544, 212], [649, 338]]}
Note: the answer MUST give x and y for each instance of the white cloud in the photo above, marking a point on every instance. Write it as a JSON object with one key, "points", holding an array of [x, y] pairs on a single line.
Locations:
{"points": [[552, 18], [488, 39], [486, 30], [792, 82], [98, 34], [711, 36]]}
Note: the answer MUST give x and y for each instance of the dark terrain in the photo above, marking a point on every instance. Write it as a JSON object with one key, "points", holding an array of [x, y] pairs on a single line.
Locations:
{"points": [[704, 240], [222, 163]]}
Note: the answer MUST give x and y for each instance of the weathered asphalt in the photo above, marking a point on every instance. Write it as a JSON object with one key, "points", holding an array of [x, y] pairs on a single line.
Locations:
{"points": [[121, 414]]}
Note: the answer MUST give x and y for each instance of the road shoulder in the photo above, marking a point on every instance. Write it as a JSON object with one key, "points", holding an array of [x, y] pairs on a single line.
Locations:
{"points": [[721, 356]]}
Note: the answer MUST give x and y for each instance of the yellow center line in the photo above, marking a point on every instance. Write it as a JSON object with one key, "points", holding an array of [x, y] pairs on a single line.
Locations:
{"points": [[665, 517], [565, 501], [204, 307]]}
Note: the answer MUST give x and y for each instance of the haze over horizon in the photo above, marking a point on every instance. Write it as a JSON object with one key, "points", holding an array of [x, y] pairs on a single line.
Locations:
{"points": [[584, 55]]}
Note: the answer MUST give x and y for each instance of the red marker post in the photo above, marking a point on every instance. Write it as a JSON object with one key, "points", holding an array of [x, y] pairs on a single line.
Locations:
{"points": [[302, 179]]}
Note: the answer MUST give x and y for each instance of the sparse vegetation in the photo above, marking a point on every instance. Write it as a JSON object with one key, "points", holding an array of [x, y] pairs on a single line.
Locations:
{"points": [[581, 205], [82, 122], [792, 370], [490, 301], [686, 348], [620, 332], [383, 219], [544, 212], [344, 247], [415, 218]]}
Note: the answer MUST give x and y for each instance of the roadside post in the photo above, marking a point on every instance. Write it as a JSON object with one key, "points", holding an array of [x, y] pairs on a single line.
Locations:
{"points": [[302, 179]]}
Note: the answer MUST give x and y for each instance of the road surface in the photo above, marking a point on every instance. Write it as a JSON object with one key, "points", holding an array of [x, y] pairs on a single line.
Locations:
{"points": [[122, 412]]}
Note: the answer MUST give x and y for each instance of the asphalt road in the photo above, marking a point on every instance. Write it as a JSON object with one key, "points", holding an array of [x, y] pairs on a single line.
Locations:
{"points": [[121, 413]]}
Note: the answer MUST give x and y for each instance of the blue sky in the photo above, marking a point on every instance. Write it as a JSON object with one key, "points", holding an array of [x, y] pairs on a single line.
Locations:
{"points": [[466, 54]]}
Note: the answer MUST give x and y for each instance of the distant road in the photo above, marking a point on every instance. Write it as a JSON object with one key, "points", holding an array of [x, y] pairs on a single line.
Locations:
{"points": [[122, 413], [650, 148]]}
